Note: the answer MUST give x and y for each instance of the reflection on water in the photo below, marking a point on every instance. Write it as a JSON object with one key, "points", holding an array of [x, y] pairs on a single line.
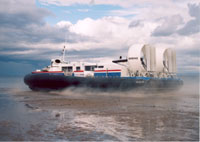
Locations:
{"points": [[83, 114], [16, 120]]}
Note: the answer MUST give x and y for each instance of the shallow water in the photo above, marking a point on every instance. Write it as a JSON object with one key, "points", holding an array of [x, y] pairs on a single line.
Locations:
{"points": [[85, 114]]}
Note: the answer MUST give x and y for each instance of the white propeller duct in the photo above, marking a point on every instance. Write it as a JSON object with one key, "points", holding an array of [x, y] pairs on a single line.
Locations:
{"points": [[165, 60], [141, 58], [148, 55]]}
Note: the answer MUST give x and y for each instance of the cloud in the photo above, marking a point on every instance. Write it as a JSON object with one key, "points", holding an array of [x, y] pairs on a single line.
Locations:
{"points": [[175, 25], [26, 38], [21, 12], [109, 33], [72, 2], [22, 26], [168, 26], [192, 26], [122, 3], [188, 61], [135, 23]]}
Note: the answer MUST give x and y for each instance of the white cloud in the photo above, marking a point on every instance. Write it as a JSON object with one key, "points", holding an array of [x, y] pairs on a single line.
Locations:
{"points": [[112, 34], [193, 25], [169, 25], [122, 3], [64, 24], [18, 52]]}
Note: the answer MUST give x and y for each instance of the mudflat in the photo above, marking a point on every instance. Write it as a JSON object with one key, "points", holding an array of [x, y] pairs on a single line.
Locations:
{"points": [[85, 114]]}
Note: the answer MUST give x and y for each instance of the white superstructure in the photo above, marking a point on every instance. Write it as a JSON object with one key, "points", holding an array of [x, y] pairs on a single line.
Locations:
{"points": [[142, 61]]}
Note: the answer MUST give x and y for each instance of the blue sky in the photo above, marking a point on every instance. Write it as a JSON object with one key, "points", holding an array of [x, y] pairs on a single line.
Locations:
{"points": [[33, 32], [76, 12]]}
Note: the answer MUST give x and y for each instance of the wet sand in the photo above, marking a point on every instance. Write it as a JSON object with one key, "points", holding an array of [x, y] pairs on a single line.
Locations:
{"points": [[84, 114]]}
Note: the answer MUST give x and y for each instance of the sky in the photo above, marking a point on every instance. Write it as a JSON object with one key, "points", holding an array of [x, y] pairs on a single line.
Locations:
{"points": [[32, 32]]}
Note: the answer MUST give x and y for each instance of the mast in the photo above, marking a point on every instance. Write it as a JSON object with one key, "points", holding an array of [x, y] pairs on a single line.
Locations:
{"points": [[63, 54]]}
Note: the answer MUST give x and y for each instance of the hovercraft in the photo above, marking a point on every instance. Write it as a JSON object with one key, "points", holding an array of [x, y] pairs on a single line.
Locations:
{"points": [[145, 68]]}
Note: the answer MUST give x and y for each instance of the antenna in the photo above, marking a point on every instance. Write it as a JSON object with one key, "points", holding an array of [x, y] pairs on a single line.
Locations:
{"points": [[63, 54]]}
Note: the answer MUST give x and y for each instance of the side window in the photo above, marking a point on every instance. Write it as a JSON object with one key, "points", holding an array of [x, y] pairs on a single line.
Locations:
{"points": [[90, 68], [93, 67], [100, 66], [64, 69], [78, 68], [67, 69], [87, 68]]}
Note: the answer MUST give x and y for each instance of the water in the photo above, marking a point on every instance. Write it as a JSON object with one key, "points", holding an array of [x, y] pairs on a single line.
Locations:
{"points": [[84, 114]]}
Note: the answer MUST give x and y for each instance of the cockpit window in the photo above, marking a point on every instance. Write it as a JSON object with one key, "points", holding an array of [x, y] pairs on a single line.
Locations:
{"points": [[67, 69], [57, 61]]}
